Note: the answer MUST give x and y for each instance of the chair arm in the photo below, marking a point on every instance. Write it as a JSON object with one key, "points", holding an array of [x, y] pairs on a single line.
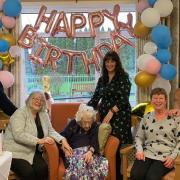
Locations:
{"points": [[177, 160], [127, 150], [52, 153], [110, 153], [177, 168]]}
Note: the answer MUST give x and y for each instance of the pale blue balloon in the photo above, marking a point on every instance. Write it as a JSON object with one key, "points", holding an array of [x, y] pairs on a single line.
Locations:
{"points": [[163, 55], [161, 35], [168, 71], [12, 8]]}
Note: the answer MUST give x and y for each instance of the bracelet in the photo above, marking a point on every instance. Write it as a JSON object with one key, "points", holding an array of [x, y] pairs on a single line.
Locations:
{"points": [[112, 110]]}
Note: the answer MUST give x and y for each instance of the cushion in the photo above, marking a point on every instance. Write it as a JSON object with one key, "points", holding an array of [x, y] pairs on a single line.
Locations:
{"points": [[103, 135]]}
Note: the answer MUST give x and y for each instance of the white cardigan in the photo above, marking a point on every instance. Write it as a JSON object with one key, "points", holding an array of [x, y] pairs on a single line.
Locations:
{"points": [[21, 133]]}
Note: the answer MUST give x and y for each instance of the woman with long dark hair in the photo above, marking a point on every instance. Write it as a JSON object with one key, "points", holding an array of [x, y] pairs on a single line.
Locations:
{"points": [[112, 93]]}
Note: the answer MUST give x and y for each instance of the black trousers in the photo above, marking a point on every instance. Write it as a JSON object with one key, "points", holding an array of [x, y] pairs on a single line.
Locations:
{"points": [[149, 169], [25, 171]]}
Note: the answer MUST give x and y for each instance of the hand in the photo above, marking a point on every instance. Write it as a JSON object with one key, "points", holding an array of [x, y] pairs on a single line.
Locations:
{"points": [[168, 162], [88, 157], [67, 153], [108, 117], [174, 112], [47, 140], [66, 147], [140, 156]]}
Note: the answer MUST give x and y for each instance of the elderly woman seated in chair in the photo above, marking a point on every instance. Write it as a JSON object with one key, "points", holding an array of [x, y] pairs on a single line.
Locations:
{"points": [[29, 128], [84, 162], [157, 141]]}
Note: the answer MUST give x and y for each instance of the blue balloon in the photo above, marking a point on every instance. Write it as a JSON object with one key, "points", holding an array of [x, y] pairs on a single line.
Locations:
{"points": [[12, 8], [151, 2], [163, 55], [4, 45], [168, 71], [161, 35], [1, 64]]}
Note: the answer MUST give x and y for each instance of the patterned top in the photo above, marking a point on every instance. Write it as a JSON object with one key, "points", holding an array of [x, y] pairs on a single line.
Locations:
{"points": [[158, 139], [115, 93]]}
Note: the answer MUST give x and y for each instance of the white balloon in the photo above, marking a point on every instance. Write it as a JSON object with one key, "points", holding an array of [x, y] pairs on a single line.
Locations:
{"points": [[15, 51], [159, 82], [164, 7], [150, 17], [150, 48], [142, 60]]}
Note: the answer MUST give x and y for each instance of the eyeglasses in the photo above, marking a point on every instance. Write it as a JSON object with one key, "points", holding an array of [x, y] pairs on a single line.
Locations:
{"points": [[37, 99]]}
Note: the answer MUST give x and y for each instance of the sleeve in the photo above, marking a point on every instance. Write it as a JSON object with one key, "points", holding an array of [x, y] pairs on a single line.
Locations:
{"points": [[96, 96], [5, 104], [52, 132], [177, 138], [94, 138], [140, 136], [122, 93], [18, 123], [67, 132]]}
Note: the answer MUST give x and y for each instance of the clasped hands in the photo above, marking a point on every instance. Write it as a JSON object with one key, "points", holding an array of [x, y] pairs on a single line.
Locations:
{"points": [[167, 161], [88, 156]]}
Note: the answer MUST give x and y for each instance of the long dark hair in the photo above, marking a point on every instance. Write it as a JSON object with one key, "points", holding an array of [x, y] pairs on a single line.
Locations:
{"points": [[119, 71]]}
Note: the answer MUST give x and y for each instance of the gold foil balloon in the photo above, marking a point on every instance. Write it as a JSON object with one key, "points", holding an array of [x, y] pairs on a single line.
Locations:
{"points": [[6, 59], [140, 30], [144, 79], [9, 38]]}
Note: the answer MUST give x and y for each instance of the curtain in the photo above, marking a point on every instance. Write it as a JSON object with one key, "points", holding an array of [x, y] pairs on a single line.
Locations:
{"points": [[174, 26]]}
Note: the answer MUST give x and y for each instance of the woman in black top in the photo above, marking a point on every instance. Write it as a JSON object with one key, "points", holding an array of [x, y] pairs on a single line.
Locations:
{"points": [[112, 93]]}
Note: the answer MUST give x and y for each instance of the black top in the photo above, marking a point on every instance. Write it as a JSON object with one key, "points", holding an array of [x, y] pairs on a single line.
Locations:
{"points": [[115, 93], [40, 133], [5, 104], [78, 137]]}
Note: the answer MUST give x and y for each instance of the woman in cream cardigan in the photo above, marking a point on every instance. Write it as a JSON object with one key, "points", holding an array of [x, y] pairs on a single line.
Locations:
{"points": [[29, 128]]}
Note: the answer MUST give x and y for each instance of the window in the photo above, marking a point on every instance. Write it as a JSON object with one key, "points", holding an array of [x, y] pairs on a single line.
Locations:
{"points": [[77, 86]]}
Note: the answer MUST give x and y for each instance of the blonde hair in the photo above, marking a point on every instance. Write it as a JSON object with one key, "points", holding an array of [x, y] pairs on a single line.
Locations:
{"points": [[83, 108], [31, 96]]}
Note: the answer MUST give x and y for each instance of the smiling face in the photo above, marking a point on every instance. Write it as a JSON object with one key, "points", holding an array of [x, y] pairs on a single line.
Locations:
{"points": [[37, 102], [159, 101], [110, 65]]}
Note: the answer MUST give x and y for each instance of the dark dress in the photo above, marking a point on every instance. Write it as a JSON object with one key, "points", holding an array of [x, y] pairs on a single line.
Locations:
{"points": [[80, 141], [115, 93]]}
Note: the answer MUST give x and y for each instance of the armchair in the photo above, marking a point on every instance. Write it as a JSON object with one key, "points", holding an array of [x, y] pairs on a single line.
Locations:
{"points": [[60, 112], [127, 165], [128, 157]]}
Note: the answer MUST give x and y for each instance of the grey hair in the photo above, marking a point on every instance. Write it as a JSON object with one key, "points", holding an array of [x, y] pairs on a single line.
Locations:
{"points": [[30, 97], [83, 108]]}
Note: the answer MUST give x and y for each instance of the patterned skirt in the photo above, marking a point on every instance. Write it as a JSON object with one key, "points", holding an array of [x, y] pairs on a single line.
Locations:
{"points": [[78, 169]]}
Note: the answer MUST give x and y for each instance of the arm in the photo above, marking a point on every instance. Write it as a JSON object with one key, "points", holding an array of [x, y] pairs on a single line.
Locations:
{"points": [[94, 144], [140, 136], [5, 104], [177, 138], [18, 123], [96, 96]]}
